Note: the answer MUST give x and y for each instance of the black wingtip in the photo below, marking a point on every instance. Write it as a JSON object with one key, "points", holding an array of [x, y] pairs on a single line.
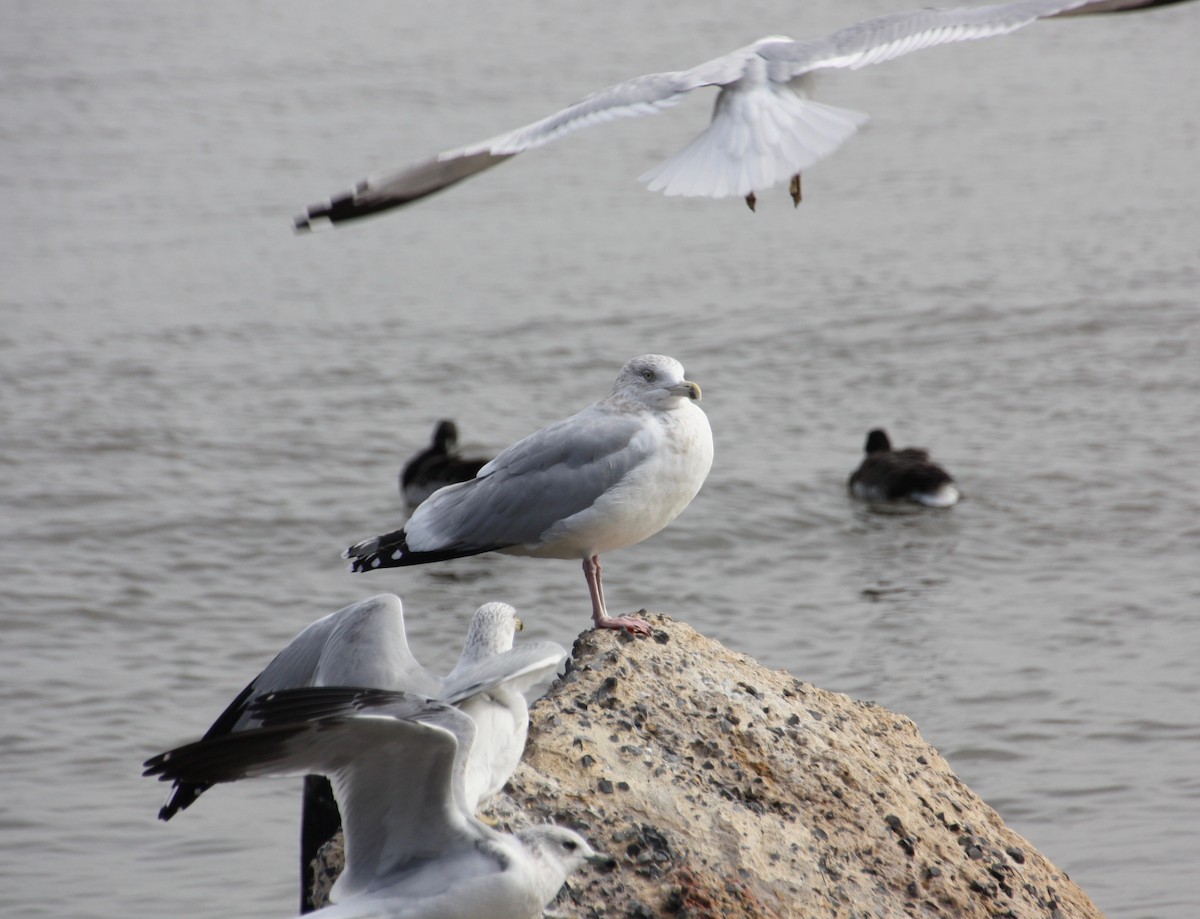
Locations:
{"points": [[169, 810], [391, 551], [332, 211], [352, 205], [1113, 6], [183, 795], [342, 207], [363, 557]]}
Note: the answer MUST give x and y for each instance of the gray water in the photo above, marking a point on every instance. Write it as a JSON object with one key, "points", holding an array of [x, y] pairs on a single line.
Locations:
{"points": [[198, 409]]}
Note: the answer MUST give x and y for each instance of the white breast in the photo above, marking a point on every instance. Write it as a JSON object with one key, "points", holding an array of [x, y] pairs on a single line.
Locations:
{"points": [[647, 498]]}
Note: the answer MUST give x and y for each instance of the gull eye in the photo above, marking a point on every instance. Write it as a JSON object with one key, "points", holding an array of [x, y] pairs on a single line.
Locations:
{"points": [[570, 845], [648, 375]]}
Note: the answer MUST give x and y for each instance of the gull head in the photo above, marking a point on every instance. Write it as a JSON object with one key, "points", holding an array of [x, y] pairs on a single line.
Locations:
{"points": [[491, 631], [655, 380], [768, 40], [557, 853]]}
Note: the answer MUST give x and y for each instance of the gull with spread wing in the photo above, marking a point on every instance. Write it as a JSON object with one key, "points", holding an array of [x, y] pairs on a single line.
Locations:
{"points": [[765, 128], [365, 644], [397, 764]]}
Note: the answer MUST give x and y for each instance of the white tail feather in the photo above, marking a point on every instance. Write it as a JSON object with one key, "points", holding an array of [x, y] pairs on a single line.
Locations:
{"points": [[756, 139]]}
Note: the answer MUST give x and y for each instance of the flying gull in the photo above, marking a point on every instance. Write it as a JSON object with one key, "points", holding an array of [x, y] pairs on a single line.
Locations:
{"points": [[436, 466], [608, 477], [901, 475], [765, 128], [397, 765]]}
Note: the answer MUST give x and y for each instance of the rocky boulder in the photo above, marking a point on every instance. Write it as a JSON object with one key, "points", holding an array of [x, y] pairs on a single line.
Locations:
{"points": [[723, 789]]}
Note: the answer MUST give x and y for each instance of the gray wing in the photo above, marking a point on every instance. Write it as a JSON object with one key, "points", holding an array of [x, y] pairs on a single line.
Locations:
{"points": [[367, 646], [293, 666], [363, 644], [396, 763], [644, 95], [549, 476], [883, 38], [519, 669], [372, 195]]}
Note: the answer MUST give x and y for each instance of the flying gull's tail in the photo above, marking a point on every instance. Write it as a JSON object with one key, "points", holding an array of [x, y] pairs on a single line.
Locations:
{"points": [[756, 139]]}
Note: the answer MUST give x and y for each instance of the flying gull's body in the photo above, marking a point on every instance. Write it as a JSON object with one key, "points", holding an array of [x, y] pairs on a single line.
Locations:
{"points": [[606, 478], [764, 128]]}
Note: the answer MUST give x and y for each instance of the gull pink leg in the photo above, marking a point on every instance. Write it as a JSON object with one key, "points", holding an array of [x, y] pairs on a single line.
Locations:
{"points": [[600, 618], [599, 569]]}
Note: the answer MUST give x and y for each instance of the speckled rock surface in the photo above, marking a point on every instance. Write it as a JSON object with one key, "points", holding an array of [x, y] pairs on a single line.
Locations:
{"points": [[723, 789]]}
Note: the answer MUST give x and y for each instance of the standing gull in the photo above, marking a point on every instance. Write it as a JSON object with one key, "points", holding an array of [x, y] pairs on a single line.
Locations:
{"points": [[764, 126], [901, 475], [397, 763], [436, 466], [608, 477], [365, 644]]}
